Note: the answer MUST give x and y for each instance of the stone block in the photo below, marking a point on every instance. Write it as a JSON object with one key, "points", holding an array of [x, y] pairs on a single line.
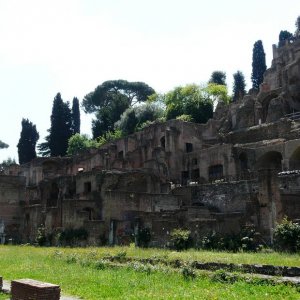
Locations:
{"points": [[28, 289]]}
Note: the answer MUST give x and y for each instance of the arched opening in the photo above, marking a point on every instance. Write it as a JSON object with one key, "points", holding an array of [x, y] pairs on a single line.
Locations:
{"points": [[265, 105], [294, 163], [270, 160]]}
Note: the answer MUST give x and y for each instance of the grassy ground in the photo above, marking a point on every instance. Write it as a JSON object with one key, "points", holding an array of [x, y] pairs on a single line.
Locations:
{"points": [[3, 296], [88, 282], [274, 258]]}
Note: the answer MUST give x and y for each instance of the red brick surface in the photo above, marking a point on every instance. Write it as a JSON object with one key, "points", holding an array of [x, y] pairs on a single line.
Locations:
{"points": [[28, 289]]}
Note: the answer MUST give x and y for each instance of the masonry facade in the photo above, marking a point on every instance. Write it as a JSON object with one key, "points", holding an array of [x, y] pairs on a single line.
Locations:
{"points": [[238, 169]]}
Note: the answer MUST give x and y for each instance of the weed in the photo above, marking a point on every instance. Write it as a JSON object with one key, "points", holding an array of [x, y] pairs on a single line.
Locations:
{"points": [[100, 264], [224, 277], [72, 258], [188, 273], [120, 256]]}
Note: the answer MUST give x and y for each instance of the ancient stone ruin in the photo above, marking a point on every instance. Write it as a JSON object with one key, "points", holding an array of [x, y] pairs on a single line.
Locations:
{"points": [[241, 168]]}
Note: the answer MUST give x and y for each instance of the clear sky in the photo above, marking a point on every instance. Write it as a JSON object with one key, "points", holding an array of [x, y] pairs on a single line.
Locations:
{"points": [[71, 46]]}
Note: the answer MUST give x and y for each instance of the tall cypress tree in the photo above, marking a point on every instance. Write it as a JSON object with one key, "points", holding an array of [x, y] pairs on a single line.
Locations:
{"points": [[218, 77], [258, 64], [75, 116], [27, 142], [60, 131], [239, 86], [297, 24]]}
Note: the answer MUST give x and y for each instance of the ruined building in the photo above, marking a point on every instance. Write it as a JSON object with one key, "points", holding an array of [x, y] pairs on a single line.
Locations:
{"points": [[241, 168]]}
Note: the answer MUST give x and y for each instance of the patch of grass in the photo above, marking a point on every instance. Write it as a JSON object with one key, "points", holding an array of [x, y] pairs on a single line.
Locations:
{"points": [[4, 296], [89, 282], [273, 258]]}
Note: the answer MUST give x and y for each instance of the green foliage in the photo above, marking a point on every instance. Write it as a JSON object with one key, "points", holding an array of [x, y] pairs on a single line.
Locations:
{"points": [[120, 256], [75, 116], [239, 86], [3, 145], [189, 100], [110, 99], [246, 240], [27, 142], [181, 239], [109, 136], [73, 237], [107, 116], [60, 130], [218, 77], [6, 163], [41, 238], [79, 142], [103, 94], [258, 64], [144, 237], [185, 118], [135, 116], [284, 35], [217, 93], [224, 277], [297, 24], [100, 264], [188, 272], [287, 236], [111, 281]]}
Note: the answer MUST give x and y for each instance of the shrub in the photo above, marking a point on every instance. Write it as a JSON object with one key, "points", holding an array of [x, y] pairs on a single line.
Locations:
{"points": [[181, 239], [72, 237], [246, 240], [144, 237], [188, 273], [41, 238], [100, 264], [120, 256], [185, 118], [287, 236], [224, 277]]}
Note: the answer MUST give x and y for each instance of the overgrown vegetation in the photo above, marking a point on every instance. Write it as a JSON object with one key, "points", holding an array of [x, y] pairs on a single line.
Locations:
{"points": [[68, 237], [6, 163], [181, 239], [247, 240], [287, 236], [144, 237]]}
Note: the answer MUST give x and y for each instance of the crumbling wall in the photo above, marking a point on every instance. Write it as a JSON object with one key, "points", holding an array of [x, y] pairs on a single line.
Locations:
{"points": [[12, 196]]}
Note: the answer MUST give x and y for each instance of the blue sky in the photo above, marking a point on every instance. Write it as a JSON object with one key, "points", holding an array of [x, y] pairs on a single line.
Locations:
{"points": [[71, 46]]}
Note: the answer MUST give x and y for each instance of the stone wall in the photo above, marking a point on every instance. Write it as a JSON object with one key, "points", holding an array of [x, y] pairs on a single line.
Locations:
{"points": [[12, 196]]}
